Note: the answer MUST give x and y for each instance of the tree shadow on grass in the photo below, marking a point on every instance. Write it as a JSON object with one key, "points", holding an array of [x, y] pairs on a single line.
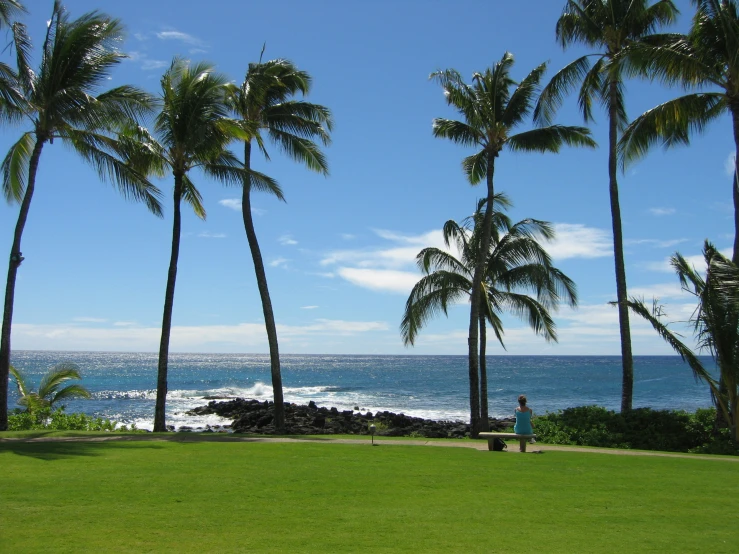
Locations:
{"points": [[59, 450]]}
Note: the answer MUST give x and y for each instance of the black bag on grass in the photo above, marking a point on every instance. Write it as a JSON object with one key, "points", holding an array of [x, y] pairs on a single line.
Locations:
{"points": [[499, 445]]}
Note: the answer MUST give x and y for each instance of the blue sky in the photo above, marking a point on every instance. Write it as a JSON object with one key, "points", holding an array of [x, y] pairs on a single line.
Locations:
{"points": [[340, 252]]}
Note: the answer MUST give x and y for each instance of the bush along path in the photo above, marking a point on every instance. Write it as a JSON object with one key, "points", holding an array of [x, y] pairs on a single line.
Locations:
{"points": [[594, 426]]}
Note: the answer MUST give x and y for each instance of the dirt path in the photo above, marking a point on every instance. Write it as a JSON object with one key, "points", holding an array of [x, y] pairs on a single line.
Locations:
{"points": [[481, 445]]}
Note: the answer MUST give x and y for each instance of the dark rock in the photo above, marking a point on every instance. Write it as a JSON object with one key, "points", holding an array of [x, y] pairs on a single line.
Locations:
{"points": [[253, 416]]}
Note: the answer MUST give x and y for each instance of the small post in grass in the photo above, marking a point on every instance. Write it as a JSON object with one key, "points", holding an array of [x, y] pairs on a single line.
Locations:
{"points": [[372, 430]]}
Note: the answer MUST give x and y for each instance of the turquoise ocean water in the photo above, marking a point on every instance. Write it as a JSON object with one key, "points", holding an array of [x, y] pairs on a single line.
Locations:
{"points": [[123, 385]]}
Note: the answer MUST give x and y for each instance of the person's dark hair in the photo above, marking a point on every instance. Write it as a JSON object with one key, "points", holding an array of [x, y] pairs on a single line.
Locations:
{"points": [[522, 400]]}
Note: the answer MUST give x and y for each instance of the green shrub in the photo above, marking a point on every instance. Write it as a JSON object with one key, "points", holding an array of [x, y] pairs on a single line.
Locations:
{"points": [[642, 429], [58, 420]]}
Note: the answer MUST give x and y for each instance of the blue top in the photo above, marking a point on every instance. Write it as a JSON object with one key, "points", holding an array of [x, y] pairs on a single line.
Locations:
{"points": [[523, 423]]}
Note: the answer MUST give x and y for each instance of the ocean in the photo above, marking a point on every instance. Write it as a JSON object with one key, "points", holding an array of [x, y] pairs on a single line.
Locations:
{"points": [[123, 385]]}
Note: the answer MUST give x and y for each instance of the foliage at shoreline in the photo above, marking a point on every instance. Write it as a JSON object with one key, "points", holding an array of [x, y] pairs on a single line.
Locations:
{"points": [[57, 420], [640, 429]]}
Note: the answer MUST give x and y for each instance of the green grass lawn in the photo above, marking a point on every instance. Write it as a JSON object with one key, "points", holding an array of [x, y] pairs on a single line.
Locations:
{"points": [[198, 496]]}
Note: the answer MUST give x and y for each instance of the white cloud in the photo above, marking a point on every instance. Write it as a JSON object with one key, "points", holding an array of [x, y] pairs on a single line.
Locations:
{"points": [[661, 211], [140, 36], [660, 291], [243, 337], [389, 268], [209, 235], [697, 261], [124, 323], [149, 65], [380, 279], [389, 258], [177, 35], [287, 240], [730, 164], [308, 307], [656, 243], [347, 236], [279, 262], [574, 240], [231, 203], [84, 319]]}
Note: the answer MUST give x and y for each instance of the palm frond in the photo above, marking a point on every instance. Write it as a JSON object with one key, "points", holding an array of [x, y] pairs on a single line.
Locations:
{"points": [[20, 381], [191, 195], [522, 100], [476, 166], [550, 139], [433, 294], [301, 149], [559, 87], [70, 391], [99, 151], [15, 168], [457, 131], [669, 124], [57, 376]]}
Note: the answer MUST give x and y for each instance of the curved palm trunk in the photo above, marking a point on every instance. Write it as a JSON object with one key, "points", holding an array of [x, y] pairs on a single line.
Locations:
{"points": [[627, 386], [484, 414], [721, 421], [15, 261], [159, 410], [472, 341], [734, 108], [269, 318]]}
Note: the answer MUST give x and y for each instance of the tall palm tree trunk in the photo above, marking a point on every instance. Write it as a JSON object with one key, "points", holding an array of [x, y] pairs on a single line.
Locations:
{"points": [[484, 414], [159, 410], [472, 341], [627, 361], [721, 422], [15, 261], [269, 318], [734, 108]]}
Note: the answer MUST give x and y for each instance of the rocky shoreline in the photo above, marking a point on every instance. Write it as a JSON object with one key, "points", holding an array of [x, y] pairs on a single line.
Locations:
{"points": [[255, 417]]}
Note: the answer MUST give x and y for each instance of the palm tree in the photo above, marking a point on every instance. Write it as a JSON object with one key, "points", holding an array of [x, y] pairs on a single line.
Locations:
{"points": [[49, 391], [515, 264], [705, 58], [10, 94], [264, 104], [60, 101], [492, 107], [192, 131], [715, 325], [613, 27]]}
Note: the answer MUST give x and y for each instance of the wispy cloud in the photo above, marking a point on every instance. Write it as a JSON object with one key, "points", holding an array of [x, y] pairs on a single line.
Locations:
{"points": [[287, 240], [380, 279], [239, 338], [279, 262], [84, 319], [697, 261], [730, 164], [661, 211], [308, 307], [574, 240], [124, 323], [149, 65], [209, 235], [180, 36], [231, 203], [347, 236], [145, 62], [656, 243], [393, 268]]}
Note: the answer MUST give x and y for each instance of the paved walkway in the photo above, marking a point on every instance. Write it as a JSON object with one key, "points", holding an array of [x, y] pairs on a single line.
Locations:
{"points": [[481, 445]]}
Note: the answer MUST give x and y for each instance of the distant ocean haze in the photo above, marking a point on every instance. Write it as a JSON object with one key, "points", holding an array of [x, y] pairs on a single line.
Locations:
{"points": [[123, 385]]}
